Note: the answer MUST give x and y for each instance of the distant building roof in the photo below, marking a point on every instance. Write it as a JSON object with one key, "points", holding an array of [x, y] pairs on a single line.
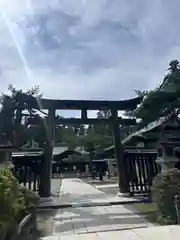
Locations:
{"points": [[81, 150], [126, 151], [150, 127], [7, 148], [59, 150], [140, 150], [29, 154]]}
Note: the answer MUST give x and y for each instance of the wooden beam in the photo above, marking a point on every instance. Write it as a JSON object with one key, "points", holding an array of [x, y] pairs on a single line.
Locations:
{"points": [[125, 122], [129, 104], [121, 121]]}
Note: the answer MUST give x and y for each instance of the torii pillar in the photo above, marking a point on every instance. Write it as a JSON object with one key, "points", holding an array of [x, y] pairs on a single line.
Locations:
{"points": [[45, 188], [119, 153]]}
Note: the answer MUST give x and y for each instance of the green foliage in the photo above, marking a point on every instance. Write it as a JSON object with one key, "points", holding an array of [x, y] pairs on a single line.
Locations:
{"points": [[38, 133], [164, 99], [148, 210], [165, 187], [70, 137], [97, 136], [132, 113], [14, 200], [31, 199], [11, 201], [12, 115], [140, 93]]}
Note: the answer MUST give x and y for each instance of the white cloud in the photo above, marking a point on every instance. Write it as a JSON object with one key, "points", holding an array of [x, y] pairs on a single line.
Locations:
{"points": [[88, 49]]}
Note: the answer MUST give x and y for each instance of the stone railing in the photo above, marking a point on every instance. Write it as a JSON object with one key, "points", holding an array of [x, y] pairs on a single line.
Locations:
{"points": [[25, 229]]}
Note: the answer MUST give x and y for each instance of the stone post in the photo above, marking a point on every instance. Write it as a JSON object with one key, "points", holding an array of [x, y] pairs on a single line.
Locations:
{"points": [[87, 168], [110, 167], [6, 159], [6, 149]]}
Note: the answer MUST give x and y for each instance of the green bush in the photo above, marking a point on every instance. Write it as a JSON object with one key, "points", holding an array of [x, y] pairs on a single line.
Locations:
{"points": [[165, 187], [15, 200], [31, 199]]}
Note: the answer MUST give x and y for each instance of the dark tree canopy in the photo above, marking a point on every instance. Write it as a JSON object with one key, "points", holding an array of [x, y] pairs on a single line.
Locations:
{"points": [[164, 99], [13, 116]]}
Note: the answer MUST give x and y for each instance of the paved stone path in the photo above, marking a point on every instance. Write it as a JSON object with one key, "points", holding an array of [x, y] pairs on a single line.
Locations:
{"points": [[94, 221], [56, 187], [99, 223], [76, 191], [157, 233]]}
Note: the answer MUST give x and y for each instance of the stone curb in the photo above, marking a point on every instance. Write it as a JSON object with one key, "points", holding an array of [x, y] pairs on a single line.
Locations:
{"points": [[56, 205]]}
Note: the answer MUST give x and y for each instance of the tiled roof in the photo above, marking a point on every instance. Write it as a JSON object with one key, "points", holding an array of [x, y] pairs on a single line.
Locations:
{"points": [[146, 129]]}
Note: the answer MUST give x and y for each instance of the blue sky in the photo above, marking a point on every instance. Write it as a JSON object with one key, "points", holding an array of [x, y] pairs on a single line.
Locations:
{"points": [[87, 49]]}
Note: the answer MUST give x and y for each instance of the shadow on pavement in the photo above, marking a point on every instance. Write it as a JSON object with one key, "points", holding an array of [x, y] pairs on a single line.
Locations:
{"points": [[92, 220]]}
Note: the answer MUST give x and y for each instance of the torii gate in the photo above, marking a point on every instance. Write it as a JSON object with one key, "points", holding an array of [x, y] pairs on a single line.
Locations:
{"points": [[114, 106]]}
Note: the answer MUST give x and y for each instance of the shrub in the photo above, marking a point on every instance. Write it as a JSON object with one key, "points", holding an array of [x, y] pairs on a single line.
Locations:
{"points": [[31, 199], [15, 200], [165, 187]]}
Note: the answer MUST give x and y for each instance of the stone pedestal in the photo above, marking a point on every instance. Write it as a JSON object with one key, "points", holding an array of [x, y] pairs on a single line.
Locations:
{"points": [[110, 167], [6, 159], [123, 195], [46, 200], [87, 168]]}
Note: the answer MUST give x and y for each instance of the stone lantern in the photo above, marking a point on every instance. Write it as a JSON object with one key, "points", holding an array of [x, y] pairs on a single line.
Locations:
{"points": [[6, 156], [6, 150], [166, 154]]}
